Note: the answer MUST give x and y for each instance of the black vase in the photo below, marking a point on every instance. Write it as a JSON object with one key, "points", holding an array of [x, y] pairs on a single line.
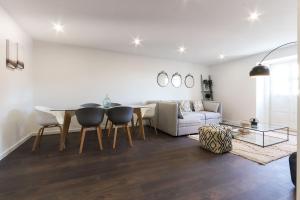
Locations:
{"points": [[293, 167]]}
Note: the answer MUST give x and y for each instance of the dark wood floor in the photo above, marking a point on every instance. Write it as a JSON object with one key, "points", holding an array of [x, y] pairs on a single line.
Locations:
{"points": [[162, 167]]}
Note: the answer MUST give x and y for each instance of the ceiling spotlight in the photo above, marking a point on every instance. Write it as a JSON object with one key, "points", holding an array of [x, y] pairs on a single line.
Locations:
{"points": [[137, 41], [254, 16], [181, 49], [221, 56], [58, 27]]}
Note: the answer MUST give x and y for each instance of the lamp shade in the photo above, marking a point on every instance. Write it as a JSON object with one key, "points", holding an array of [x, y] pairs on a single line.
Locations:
{"points": [[259, 70]]}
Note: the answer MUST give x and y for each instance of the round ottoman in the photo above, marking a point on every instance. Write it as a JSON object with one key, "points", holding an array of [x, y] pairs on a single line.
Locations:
{"points": [[215, 138]]}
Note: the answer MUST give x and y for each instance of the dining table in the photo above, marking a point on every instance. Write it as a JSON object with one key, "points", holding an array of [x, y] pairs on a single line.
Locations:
{"points": [[70, 112]]}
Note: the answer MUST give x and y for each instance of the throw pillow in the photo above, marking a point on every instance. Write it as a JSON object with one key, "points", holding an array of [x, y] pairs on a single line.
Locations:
{"points": [[211, 106], [185, 106], [198, 106], [180, 115]]}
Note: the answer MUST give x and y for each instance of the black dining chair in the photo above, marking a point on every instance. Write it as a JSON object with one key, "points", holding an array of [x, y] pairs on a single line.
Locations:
{"points": [[90, 105], [120, 117], [112, 105], [88, 118]]}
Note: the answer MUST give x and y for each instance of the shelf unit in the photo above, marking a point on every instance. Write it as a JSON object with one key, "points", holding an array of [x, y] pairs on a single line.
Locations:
{"points": [[206, 88]]}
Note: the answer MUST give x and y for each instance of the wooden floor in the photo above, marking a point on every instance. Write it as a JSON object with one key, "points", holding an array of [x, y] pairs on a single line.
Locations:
{"points": [[162, 167]]}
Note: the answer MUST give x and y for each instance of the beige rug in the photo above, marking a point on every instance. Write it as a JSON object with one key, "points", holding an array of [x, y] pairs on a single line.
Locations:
{"points": [[261, 155]]}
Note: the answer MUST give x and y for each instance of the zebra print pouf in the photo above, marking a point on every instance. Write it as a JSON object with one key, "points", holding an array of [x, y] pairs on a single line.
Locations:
{"points": [[215, 138]]}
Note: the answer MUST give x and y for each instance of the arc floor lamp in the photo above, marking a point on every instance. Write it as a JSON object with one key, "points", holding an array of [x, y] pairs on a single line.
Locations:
{"points": [[262, 70]]}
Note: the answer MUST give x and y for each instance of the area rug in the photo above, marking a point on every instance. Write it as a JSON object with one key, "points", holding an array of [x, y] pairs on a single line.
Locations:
{"points": [[258, 154]]}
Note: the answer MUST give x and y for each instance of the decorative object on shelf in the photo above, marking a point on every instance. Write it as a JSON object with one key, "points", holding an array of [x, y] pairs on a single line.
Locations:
{"points": [[176, 80], [206, 88], [262, 70], [106, 102], [253, 122], [14, 55], [189, 81], [162, 79], [11, 55]]}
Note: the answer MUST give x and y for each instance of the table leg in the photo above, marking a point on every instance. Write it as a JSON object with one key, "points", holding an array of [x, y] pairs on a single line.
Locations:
{"points": [[66, 126], [138, 112], [132, 125]]}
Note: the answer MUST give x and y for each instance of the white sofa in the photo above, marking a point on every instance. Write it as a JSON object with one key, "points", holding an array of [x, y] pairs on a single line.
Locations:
{"points": [[168, 121]]}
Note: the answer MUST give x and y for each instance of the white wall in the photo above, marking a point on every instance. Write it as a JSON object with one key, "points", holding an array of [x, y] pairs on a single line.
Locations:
{"points": [[15, 89], [298, 116], [67, 76], [235, 89]]}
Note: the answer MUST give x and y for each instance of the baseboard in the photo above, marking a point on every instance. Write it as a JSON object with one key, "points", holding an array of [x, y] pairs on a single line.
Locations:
{"points": [[24, 139], [19, 143], [15, 146], [52, 132]]}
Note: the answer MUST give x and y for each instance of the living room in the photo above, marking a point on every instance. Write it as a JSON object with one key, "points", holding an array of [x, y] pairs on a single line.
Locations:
{"points": [[192, 66]]}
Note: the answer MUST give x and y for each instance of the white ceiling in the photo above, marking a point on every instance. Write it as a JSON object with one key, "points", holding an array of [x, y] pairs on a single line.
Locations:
{"points": [[206, 27]]}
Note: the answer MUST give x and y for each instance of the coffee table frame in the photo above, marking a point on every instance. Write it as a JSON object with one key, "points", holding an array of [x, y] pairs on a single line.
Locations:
{"points": [[261, 131]]}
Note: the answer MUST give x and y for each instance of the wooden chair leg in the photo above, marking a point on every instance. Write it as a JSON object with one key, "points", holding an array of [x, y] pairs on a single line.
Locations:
{"points": [[82, 140], [132, 124], [36, 140], [99, 133], [109, 129], [115, 137], [129, 136], [106, 123], [40, 138], [80, 135]]}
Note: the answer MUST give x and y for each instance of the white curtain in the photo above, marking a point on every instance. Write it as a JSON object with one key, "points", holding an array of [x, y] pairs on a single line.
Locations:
{"points": [[276, 95]]}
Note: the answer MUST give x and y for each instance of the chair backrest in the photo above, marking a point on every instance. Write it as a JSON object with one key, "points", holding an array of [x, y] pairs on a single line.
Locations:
{"points": [[149, 112], [90, 105], [120, 115], [89, 117], [45, 116]]}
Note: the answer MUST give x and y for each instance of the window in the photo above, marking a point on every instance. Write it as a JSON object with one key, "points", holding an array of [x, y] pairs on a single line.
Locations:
{"points": [[276, 98]]}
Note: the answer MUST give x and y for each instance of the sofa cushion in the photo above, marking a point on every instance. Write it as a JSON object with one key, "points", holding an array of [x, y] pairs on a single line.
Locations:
{"points": [[211, 115], [192, 118], [180, 115], [198, 106], [185, 106], [211, 106]]}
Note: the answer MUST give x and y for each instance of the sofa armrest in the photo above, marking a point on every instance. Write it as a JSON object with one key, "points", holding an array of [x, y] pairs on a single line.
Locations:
{"points": [[168, 117]]}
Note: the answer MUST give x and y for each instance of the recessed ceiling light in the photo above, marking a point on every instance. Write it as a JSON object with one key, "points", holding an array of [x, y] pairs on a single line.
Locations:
{"points": [[181, 49], [221, 56], [254, 16], [137, 41], [58, 27]]}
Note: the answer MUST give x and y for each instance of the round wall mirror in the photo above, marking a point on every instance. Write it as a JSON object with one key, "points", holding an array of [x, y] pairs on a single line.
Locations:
{"points": [[176, 80], [162, 79], [189, 81]]}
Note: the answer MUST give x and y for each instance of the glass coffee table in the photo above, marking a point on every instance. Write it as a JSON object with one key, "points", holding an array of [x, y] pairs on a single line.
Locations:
{"points": [[263, 135]]}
